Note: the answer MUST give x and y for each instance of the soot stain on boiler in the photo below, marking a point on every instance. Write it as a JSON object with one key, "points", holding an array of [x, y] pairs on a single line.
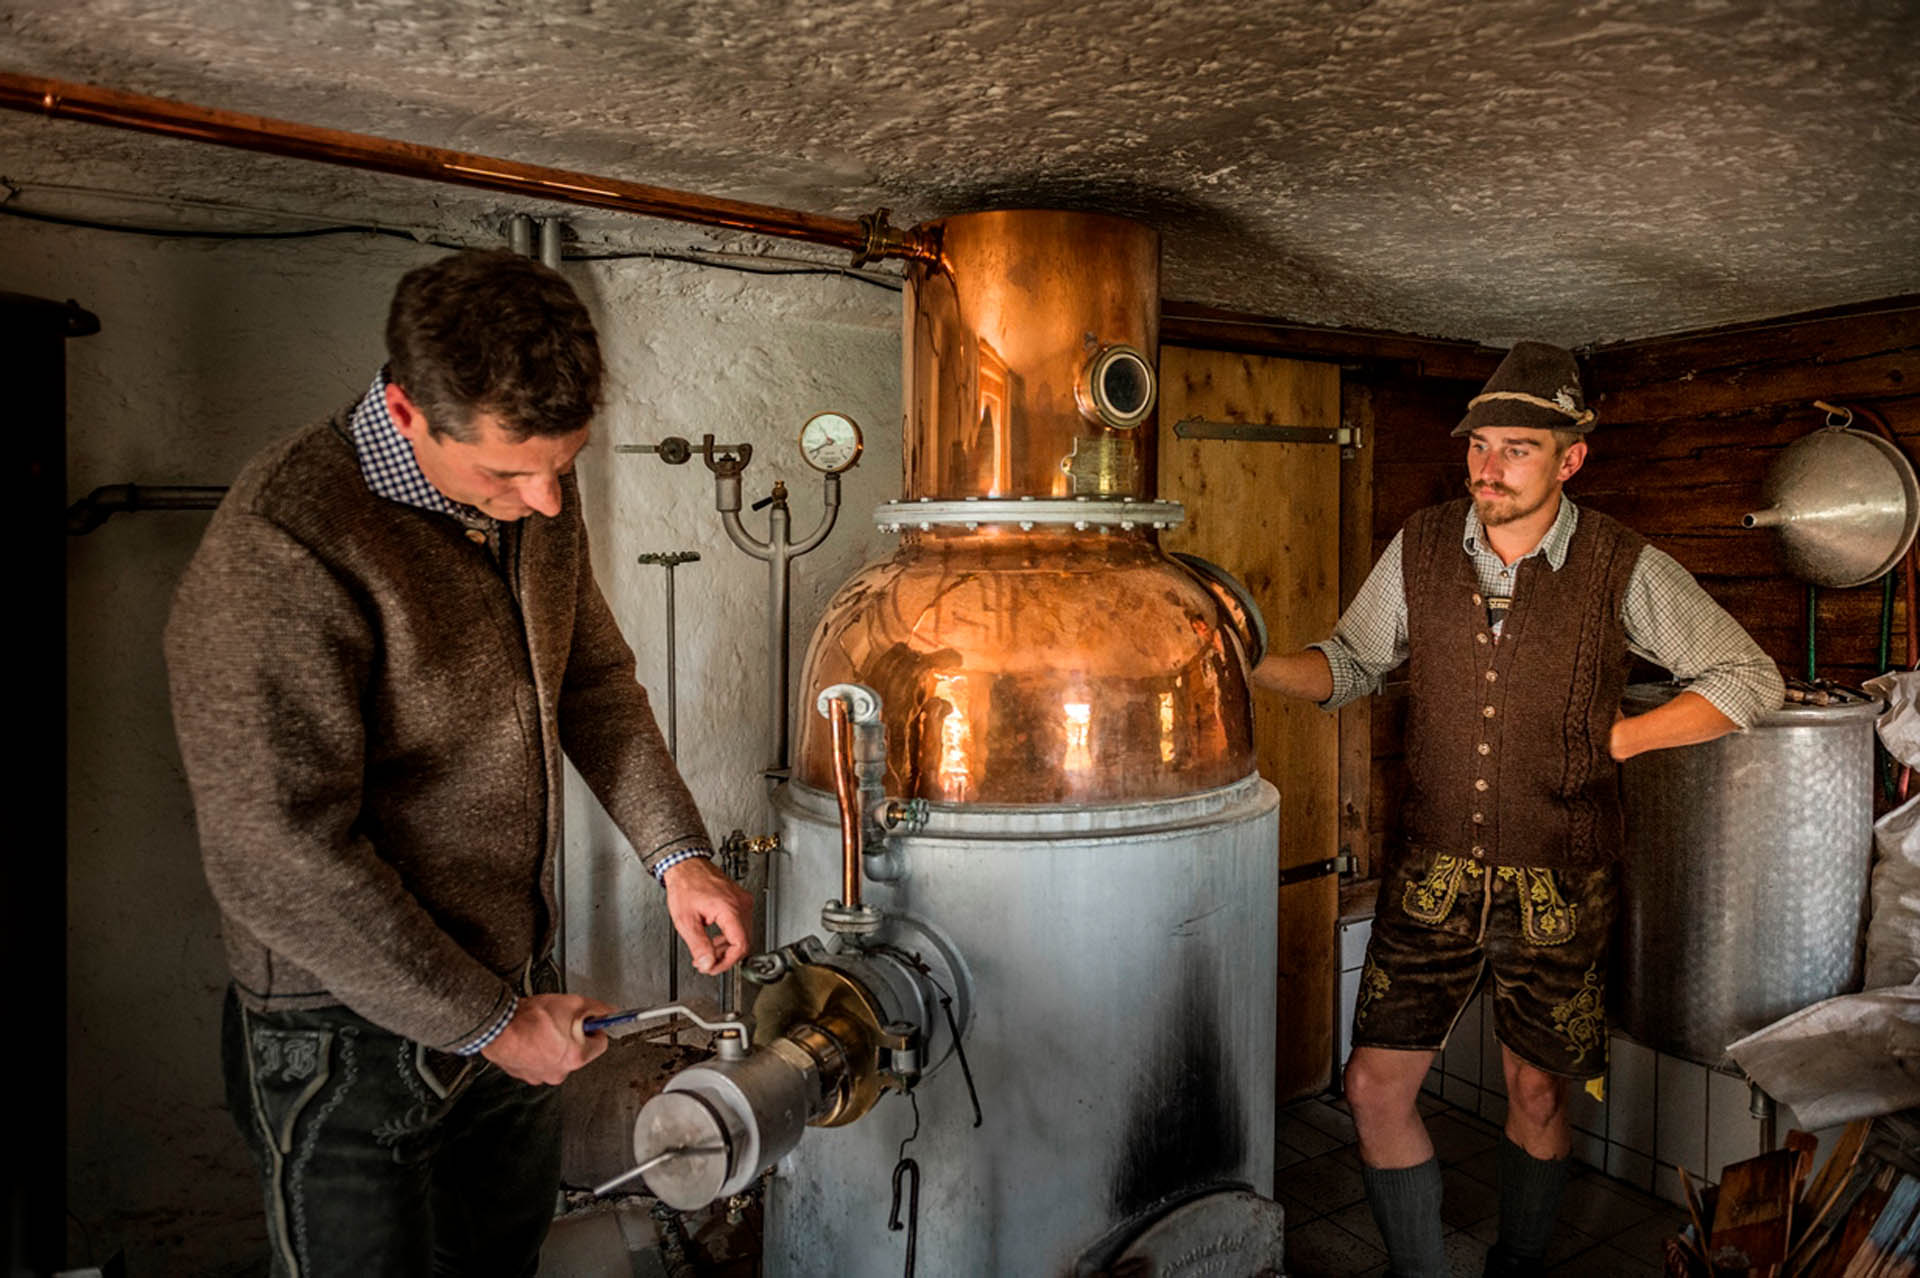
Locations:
{"points": [[1185, 1124]]}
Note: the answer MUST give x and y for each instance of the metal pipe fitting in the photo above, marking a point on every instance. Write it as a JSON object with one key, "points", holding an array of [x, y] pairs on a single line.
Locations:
{"points": [[520, 235], [859, 750], [846, 791], [836, 1030]]}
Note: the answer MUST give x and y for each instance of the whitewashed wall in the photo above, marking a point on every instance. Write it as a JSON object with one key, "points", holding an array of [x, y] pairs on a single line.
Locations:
{"points": [[208, 351]]}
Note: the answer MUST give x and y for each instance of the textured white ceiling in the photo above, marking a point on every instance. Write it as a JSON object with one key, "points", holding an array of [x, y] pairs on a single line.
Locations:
{"points": [[1578, 171]]}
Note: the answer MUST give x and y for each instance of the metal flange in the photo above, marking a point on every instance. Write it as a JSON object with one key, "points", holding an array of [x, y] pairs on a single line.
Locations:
{"points": [[1103, 513]]}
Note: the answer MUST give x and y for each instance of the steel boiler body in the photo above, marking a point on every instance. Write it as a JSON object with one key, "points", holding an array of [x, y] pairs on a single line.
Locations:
{"points": [[1745, 883], [1090, 845], [1120, 1031]]}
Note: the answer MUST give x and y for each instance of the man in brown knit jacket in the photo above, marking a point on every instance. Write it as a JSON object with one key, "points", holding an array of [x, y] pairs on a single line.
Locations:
{"points": [[380, 654], [1515, 612]]}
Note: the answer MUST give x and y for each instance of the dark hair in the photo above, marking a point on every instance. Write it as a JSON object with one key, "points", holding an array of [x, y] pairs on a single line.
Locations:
{"points": [[493, 332]]}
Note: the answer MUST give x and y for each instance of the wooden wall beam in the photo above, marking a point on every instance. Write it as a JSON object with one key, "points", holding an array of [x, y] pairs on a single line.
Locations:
{"points": [[1209, 328]]}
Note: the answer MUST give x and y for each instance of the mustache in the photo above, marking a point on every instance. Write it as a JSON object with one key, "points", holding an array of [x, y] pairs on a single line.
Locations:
{"points": [[1498, 490]]}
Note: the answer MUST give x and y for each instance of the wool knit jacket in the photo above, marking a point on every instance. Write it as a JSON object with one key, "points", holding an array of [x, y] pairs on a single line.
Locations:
{"points": [[372, 714]]}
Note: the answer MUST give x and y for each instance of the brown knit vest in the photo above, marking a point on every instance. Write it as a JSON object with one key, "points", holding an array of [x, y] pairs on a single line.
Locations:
{"points": [[1508, 741]]}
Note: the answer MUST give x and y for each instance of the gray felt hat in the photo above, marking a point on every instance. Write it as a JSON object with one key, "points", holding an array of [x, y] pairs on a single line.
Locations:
{"points": [[1536, 387]]}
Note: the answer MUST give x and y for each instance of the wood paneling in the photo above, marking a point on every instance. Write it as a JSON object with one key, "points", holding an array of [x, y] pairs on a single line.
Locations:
{"points": [[1270, 513], [1189, 324], [1688, 427], [1356, 559]]}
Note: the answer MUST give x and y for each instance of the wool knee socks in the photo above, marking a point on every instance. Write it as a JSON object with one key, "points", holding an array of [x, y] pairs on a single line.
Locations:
{"points": [[1406, 1207], [1529, 1204]]}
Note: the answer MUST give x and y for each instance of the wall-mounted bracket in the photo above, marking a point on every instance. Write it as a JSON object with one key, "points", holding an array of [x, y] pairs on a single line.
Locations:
{"points": [[1342, 864], [1245, 432]]}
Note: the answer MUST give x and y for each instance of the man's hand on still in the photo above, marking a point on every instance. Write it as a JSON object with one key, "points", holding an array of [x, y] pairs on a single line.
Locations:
{"points": [[698, 894], [544, 1043]]}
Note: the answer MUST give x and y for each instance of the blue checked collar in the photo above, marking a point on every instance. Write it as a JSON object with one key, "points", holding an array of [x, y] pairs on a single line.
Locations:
{"points": [[1553, 545], [389, 466]]}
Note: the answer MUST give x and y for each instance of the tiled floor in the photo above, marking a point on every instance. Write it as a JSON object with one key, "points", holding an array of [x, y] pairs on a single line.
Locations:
{"points": [[1607, 1229]]}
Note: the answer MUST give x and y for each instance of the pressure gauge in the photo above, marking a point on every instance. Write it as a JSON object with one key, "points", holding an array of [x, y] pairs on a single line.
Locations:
{"points": [[830, 442]]}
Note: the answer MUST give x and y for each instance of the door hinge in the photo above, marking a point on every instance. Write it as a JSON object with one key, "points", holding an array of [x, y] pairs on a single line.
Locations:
{"points": [[1245, 432], [1342, 864]]}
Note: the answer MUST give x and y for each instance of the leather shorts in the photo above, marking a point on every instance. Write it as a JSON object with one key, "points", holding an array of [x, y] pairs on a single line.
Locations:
{"points": [[1445, 924]]}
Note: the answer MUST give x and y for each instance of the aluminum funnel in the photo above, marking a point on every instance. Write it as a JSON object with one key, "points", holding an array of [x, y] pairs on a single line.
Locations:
{"points": [[1843, 505]]}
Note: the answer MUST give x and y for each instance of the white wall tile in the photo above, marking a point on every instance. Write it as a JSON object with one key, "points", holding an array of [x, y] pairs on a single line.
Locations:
{"points": [[1733, 1134], [1666, 1186], [1624, 1164], [1349, 990], [1354, 936], [1630, 1096], [1461, 1091], [1788, 1121], [1493, 1107], [1463, 1046], [1680, 1124], [1584, 1112], [1493, 1075]]}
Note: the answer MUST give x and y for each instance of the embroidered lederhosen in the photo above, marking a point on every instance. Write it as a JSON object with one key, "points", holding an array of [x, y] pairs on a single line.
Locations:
{"points": [[1539, 937]]}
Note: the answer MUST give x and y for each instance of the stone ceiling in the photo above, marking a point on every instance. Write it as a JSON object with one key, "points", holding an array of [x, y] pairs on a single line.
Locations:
{"points": [[1583, 172]]}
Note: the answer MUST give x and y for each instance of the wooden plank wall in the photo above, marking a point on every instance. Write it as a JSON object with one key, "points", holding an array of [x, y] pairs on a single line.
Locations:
{"points": [[1689, 426], [1415, 464], [1269, 513]]}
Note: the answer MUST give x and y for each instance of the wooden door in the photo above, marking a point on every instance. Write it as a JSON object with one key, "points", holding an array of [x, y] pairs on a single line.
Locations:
{"points": [[1270, 514]]}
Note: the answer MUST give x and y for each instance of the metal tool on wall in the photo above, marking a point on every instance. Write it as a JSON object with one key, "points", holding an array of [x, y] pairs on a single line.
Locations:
{"points": [[670, 560], [831, 444]]}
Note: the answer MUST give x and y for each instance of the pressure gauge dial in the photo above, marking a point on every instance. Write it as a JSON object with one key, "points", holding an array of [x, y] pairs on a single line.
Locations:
{"points": [[830, 442]]}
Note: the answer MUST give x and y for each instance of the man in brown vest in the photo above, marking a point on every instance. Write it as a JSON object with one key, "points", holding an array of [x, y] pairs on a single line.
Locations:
{"points": [[1516, 611]]}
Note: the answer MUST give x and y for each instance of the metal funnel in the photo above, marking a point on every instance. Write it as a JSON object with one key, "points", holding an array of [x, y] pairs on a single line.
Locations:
{"points": [[1843, 505]]}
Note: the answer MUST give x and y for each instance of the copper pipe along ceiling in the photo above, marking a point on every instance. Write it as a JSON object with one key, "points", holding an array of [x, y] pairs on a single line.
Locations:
{"points": [[867, 238], [1000, 329]]}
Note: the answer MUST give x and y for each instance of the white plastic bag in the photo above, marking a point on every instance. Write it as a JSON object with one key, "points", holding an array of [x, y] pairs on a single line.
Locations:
{"points": [[1849, 1057], [1893, 930], [1899, 723]]}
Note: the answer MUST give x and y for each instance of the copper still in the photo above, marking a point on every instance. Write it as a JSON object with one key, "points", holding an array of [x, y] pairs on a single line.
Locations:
{"points": [[1029, 639], [1060, 805]]}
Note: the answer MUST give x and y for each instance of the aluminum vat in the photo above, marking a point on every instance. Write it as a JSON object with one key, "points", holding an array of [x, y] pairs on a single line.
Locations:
{"points": [[1745, 883], [1120, 1022]]}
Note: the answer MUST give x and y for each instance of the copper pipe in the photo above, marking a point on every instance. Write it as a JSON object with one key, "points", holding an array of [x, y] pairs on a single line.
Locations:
{"points": [[868, 238], [845, 790]]}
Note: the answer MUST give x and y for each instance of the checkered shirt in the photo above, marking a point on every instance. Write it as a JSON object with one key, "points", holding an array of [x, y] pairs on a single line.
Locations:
{"points": [[1669, 620], [391, 471]]}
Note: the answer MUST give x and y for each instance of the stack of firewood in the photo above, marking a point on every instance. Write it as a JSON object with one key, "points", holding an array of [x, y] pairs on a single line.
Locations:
{"points": [[1773, 1216]]}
